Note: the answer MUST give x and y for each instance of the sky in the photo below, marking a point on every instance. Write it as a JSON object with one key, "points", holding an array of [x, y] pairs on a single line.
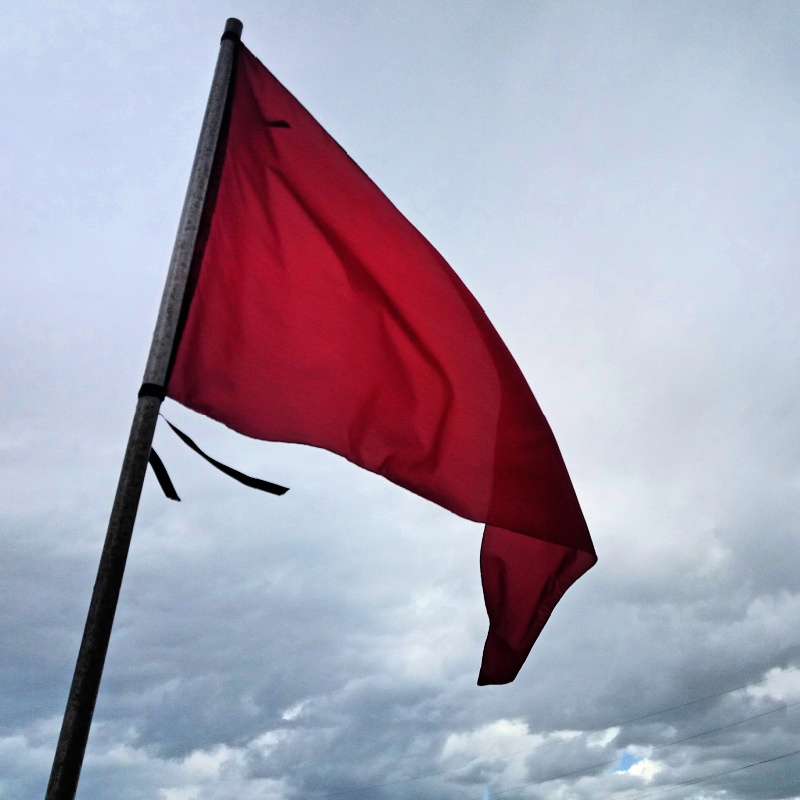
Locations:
{"points": [[617, 183]]}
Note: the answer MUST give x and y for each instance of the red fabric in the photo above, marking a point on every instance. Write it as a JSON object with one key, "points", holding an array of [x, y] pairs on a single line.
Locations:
{"points": [[322, 316]]}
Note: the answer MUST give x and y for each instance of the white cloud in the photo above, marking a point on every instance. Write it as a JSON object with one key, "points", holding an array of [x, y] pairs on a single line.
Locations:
{"points": [[602, 738], [496, 739], [646, 768], [293, 712], [780, 684]]}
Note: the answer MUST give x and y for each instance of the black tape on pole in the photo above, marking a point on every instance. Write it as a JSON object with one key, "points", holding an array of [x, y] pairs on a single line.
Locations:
{"points": [[152, 390]]}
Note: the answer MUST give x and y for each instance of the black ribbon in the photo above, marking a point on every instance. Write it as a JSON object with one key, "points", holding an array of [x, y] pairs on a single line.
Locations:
{"points": [[162, 476], [155, 390], [253, 483]]}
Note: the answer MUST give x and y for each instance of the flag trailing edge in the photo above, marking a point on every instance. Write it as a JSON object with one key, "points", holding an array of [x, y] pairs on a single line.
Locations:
{"points": [[319, 315]]}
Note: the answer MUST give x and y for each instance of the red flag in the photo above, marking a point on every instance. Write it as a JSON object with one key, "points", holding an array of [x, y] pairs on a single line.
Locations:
{"points": [[320, 315]]}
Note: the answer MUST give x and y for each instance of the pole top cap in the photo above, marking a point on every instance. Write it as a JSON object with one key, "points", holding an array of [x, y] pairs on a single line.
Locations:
{"points": [[233, 29]]}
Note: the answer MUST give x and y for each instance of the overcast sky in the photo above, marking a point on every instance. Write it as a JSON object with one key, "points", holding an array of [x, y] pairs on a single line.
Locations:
{"points": [[619, 185]]}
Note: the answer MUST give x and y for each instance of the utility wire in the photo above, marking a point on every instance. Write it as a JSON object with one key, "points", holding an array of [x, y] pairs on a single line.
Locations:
{"points": [[709, 777], [652, 750], [561, 741]]}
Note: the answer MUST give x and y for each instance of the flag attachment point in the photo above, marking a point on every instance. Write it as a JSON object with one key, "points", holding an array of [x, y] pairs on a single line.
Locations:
{"points": [[152, 390]]}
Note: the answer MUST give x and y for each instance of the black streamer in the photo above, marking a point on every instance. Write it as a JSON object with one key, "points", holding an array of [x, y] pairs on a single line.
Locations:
{"points": [[253, 483], [162, 476]]}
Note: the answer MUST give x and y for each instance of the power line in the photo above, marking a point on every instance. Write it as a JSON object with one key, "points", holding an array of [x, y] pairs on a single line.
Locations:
{"points": [[691, 702], [585, 733], [555, 742], [715, 775], [559, 741], [652, 750]]}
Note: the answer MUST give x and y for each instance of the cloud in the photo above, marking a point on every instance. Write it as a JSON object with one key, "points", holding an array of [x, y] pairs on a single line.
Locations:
{"points": [[618, 187]]}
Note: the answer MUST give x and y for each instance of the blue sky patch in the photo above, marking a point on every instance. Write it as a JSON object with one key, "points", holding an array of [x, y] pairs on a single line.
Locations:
{"points": [[626, 762]]}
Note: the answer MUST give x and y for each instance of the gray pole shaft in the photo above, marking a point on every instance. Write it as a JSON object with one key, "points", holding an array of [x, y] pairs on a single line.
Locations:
{"points": [[91, 657]]}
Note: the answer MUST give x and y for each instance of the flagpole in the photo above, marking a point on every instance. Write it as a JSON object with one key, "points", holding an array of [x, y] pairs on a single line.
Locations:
{"points": [[94, 645]]}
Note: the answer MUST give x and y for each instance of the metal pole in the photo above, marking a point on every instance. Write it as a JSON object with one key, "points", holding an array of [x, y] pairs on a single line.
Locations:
{"points": [[91, 657]]}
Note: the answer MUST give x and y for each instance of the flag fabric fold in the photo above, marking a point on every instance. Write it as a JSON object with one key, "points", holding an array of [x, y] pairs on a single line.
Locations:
{"points": [[320, 315]]}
